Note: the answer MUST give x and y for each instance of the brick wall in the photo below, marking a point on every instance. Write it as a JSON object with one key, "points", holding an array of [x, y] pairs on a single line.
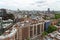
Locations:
{"points": [[25, 33]]}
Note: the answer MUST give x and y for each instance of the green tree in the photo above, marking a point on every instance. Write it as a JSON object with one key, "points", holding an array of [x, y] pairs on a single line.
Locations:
{"points": [[57, 16], [44, 33], [51, 29], [46, 17], [8, 16], [11, 16], [28, 38]]}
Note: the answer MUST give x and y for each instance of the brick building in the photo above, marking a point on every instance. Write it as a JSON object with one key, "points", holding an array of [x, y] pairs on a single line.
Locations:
{"points": [[26, 29], [30, 29]]}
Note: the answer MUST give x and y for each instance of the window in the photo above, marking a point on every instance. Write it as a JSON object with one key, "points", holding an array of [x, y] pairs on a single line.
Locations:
{"points": [[34, 30], [31, 31], [42, 28], [38, 29]]}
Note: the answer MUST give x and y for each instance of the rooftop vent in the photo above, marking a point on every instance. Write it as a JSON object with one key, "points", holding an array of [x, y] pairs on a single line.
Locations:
{"points": [[27, 21], [22, 24]]}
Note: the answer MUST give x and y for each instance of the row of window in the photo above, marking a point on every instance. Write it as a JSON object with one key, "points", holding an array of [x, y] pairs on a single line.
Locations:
{"points": [[36, 30]]}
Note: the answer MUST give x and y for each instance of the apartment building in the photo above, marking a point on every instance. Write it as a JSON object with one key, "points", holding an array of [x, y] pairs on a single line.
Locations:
{"points": [[30, 29], [27, 28]]}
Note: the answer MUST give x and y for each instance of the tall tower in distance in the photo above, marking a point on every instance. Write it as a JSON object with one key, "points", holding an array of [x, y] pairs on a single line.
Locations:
{"points": [[2, 12], [48, 10]]}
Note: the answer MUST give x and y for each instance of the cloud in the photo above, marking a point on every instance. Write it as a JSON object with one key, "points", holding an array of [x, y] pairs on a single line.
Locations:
{"points": [[30, 4]]}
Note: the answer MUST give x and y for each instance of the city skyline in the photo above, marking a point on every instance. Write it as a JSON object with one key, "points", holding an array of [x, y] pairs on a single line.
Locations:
{"points": [[30, 4]]}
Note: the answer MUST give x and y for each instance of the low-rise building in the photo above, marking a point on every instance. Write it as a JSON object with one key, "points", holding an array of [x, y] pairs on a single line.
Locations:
{"points": [[53, 36], [54, 22], [9, 34]]}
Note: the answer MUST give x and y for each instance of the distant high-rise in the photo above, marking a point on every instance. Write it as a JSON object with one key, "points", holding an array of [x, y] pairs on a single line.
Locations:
{"points": [[2, 12], [48, 10]]}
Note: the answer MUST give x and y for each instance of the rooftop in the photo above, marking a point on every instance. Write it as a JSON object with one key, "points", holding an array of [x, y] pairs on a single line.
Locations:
{"points": [[9, 33], [55, 34], [29, 21]]}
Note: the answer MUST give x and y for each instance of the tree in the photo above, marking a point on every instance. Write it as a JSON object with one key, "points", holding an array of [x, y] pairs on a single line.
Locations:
{"points": [[46, 17], [51, 29], [28, 39], [57, 16], [8, 16], [44, 33]]}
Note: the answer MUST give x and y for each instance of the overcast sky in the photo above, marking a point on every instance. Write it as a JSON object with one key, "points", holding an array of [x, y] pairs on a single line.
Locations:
{"points": [[30, 4]]}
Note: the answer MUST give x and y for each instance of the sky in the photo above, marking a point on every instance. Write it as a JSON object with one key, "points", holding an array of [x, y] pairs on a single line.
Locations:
{"points": [[30, 4]]}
